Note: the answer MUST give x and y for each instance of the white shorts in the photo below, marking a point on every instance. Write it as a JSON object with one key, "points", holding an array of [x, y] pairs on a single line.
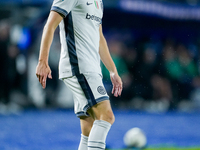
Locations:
{"points": [[88, 90]]}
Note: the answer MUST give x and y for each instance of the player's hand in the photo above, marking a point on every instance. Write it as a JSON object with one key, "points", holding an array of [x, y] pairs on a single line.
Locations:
{"points": [[42, 72], [117, 84]]}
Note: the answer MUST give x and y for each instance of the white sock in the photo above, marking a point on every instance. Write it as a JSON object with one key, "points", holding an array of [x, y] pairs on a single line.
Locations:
{"points": [[83, 143], [98, 134]]}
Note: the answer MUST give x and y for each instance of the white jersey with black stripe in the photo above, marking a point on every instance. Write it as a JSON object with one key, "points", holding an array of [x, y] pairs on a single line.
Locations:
{"points": [[79, 35]]}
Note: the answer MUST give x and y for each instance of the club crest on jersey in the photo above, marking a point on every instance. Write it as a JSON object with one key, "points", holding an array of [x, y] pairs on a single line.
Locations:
{"points": [[96, 4], [101, 90]]}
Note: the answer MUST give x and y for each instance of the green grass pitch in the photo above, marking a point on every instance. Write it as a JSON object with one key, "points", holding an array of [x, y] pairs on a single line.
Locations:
{"points": [[172, 148], [163, 148]]}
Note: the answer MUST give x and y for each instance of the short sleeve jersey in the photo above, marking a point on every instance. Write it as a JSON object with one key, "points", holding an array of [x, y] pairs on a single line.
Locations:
{"points": [[79, 36]]}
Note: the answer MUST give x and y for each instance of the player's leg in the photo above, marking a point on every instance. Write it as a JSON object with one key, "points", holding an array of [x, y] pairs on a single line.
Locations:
{"points": [[86, 125], [102, 111], [89, 91], [80, 101], [99, 109], [104, 118]]}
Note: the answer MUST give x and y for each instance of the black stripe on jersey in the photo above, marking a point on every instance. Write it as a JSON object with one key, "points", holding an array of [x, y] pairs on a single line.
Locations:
{"points": [[86, 89], [69, 32], [59, 10]]}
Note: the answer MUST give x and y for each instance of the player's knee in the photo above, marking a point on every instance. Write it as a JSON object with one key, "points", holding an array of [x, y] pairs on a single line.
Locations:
{"points": [[110, 117]]}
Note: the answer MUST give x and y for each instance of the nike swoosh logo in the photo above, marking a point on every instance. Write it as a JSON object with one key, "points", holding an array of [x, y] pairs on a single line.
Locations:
{"points": [[89, 3]]}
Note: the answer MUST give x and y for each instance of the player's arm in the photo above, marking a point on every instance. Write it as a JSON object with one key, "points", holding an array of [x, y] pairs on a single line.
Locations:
{"points": [[43, 70], [108, 62]]}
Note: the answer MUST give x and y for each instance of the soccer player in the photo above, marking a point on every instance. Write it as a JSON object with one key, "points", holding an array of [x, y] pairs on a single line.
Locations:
{"points": [[82, 46]]}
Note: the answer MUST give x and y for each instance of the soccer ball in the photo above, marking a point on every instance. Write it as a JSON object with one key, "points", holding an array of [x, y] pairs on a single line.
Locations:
{"points": [[135, 137]]}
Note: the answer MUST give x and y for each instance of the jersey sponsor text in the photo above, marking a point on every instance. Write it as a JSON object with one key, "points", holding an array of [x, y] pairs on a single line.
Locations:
{"points": [[93, 17]]}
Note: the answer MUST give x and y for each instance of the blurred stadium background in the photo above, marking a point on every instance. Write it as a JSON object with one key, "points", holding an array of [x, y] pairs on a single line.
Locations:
{"points": [[156, 47]]}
